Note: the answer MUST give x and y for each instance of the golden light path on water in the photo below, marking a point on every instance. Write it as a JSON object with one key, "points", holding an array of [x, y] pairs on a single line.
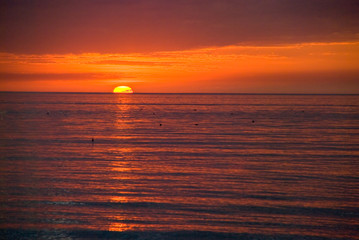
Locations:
{"points": [[120, 167]]}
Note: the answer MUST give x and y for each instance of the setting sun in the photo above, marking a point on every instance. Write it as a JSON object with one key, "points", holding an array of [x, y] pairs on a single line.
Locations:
{"points": [[122, 89]]}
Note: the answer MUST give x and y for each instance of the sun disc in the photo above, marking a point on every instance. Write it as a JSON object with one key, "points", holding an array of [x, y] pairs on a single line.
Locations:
{"points": [[122, 89]]}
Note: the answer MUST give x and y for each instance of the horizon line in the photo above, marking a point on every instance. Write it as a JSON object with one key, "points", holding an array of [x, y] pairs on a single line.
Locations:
{"points": [[183, 93]]}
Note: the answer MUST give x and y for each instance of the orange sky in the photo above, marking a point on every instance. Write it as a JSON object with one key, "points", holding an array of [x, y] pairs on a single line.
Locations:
{"points": [[239, 61]]}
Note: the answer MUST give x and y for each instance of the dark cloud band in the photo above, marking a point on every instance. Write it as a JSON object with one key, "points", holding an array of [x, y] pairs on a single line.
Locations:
{"points": [[42, 26]]}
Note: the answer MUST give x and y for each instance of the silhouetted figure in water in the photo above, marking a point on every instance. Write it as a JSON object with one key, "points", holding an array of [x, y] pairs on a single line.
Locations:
{"points": [[2, 114], [93, 140], [253, 121], [160, 124]]}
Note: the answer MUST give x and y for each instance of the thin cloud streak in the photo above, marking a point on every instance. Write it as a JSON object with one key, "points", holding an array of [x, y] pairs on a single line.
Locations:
{"points": [[131, 63], [56, 76]]}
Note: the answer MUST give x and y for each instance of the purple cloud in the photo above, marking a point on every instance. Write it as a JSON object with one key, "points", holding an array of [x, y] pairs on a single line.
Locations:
{"points": [[41, 26]]}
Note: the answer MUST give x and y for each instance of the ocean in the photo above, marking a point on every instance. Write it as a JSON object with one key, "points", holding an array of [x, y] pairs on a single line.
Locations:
{"points": [[179, 166]]}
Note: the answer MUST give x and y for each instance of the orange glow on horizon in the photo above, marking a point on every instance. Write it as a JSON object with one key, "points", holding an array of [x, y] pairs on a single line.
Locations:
{"points": [[123, 89], [331, 67]]}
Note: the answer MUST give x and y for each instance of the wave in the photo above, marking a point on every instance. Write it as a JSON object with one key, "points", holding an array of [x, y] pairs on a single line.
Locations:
{"points": [[145, 235]]}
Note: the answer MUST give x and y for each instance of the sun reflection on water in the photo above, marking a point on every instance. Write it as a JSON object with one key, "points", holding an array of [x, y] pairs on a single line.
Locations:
{"points": [[120, 167], [117, 224]]}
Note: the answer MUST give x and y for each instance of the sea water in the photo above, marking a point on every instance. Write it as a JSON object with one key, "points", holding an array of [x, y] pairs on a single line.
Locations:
{"points": [[179, 166]]}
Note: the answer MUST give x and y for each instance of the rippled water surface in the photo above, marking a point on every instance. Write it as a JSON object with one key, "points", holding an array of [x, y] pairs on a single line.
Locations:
{"points": [[182, 166]]}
